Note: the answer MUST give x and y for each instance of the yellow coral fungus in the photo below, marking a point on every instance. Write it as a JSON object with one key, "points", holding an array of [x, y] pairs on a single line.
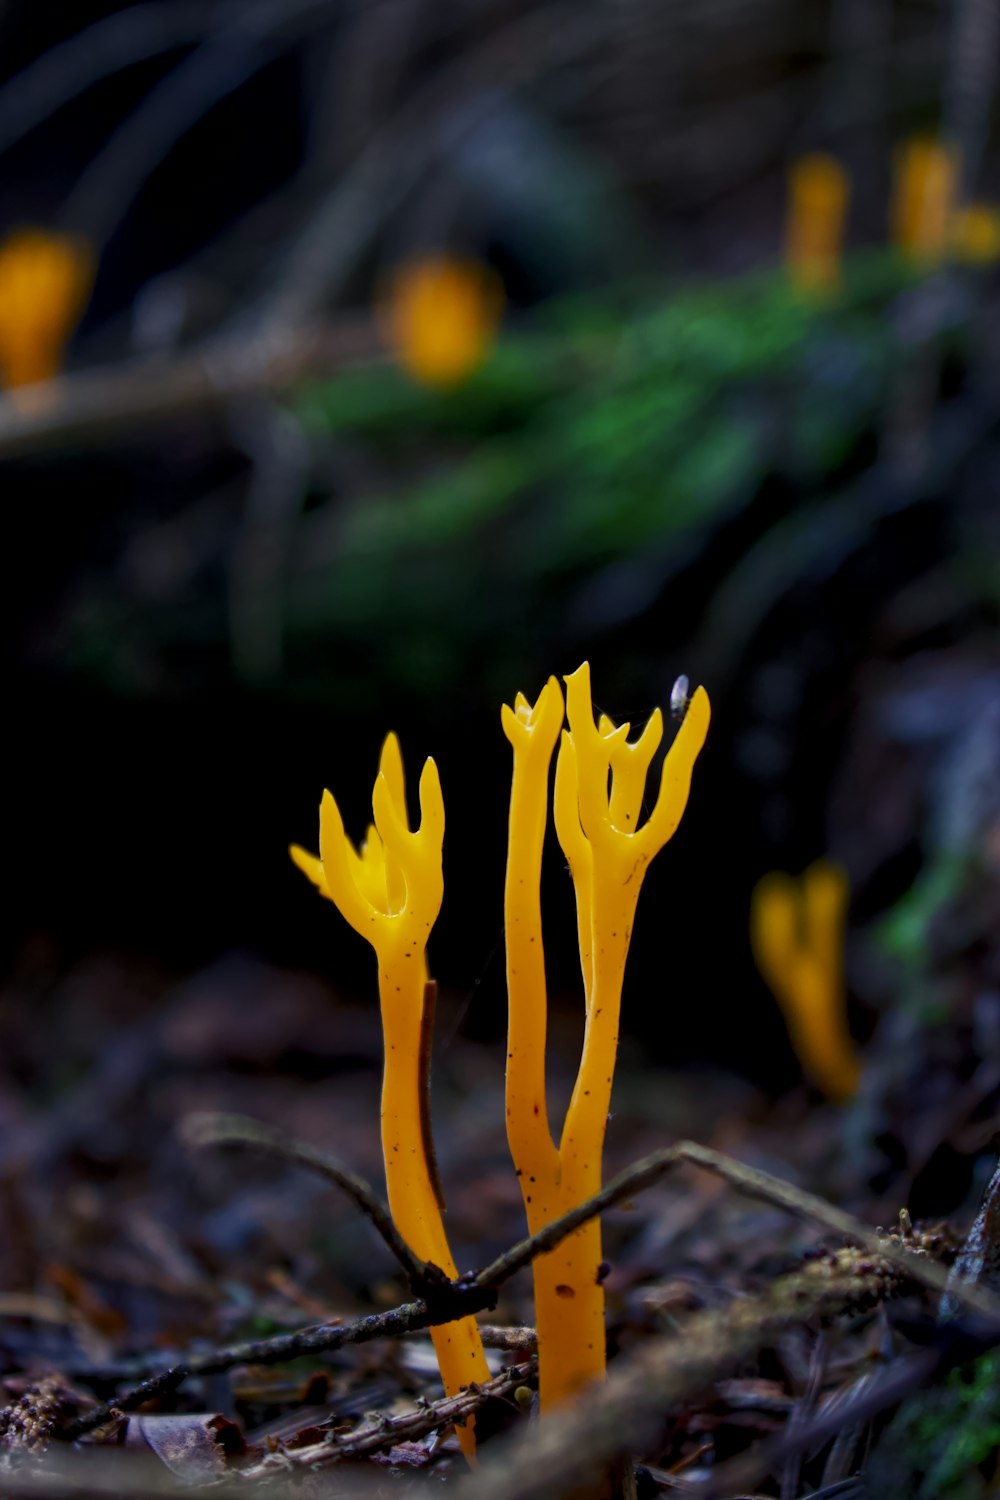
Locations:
{"points": [[45, 280], [390, 892], [440, 316], [923, 205], [818, 192], [608, 852], [797, 935]]}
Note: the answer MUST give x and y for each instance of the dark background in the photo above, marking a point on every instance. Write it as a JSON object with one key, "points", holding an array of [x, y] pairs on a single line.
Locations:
{"points": [[195, 642]]}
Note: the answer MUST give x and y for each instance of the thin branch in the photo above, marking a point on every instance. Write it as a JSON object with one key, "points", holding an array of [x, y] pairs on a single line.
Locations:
{"points": [[212, 1129], [516, 1340], [238, 46], [915, 1264], [889, 1262], [378, 1433], [94, 406], [407, 1318], [435, 118], [202, 1130], [75, 65]]}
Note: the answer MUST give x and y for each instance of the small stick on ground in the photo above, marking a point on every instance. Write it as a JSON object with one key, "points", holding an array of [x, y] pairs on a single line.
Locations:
{"points": [[407, 1318], [379, 1433], [209, 1129], [475, 1293], [913, 1262]]}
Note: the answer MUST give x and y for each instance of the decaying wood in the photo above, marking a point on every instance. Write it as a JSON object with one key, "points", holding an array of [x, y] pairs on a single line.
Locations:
{"points": [[380, 1432]]}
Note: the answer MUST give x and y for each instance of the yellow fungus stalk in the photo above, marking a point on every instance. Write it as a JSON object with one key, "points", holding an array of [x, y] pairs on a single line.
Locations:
{"points": [[924, 199], [608, 852], [818, 194], [45, 281], [390, 892], [797, 936], [441, 316]]}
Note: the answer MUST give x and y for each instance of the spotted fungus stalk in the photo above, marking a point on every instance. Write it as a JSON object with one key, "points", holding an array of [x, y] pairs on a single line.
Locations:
{"points": [[608, 851], [797, 936], [390, 891]]}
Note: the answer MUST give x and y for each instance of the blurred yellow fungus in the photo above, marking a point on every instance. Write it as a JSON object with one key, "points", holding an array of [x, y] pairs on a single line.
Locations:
{"points": [[975, 236], [797, 936], [440, 316], [924, 199], [45, 281], [390, 892], [608, 852], [818, 194]]}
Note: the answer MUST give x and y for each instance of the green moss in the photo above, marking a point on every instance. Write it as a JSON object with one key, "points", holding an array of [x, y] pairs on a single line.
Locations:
{"points": [[613, 428], [943, 1445]]}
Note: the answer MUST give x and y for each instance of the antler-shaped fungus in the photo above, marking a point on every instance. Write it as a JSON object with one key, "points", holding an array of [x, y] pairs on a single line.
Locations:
{"points": [[390, 892], [797, 935], [608, 853]]}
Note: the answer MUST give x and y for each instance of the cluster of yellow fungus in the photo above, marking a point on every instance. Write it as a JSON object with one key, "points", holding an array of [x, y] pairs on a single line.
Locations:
{"points": [[927, 221], [45, 281], [440, 316], [797, 935], [390, 891], [600, 782], [818, 194]]}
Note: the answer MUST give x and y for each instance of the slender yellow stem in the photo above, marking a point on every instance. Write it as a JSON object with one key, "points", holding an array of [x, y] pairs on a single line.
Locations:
{"points": [[533, 733], [410, 1185], [569, 1314], [587, 1116]]}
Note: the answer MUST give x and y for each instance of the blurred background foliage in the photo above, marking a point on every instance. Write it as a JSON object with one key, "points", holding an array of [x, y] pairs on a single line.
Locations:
{"points": [[258, 522]]}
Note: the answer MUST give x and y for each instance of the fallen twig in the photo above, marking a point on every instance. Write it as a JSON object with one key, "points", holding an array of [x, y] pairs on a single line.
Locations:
{"points": [[378, 1433], [912, 1261], [211, 1129], [89, 408], [515, 1340], [449, 1301], [406, 1318]]}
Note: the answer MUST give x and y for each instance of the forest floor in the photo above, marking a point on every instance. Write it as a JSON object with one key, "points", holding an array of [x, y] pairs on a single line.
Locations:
{"points": [[766, 1355]]}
